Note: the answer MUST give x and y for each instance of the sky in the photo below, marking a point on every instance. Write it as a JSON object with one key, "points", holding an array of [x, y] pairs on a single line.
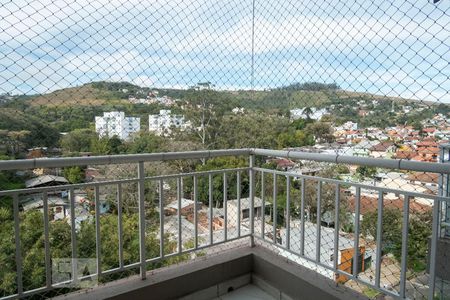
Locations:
{"points": [[394, 48]]}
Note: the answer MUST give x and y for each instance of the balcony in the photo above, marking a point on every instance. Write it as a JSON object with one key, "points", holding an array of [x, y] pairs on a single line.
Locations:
{"points": [[251, 230]]}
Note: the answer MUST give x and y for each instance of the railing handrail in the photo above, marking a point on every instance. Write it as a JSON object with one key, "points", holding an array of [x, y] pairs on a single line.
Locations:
{"points": [[25, 164], [399, 164]]}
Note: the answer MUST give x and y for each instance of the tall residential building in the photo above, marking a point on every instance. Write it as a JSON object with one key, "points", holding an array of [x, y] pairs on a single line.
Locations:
{"points": [[115, 123], [163, 123]]}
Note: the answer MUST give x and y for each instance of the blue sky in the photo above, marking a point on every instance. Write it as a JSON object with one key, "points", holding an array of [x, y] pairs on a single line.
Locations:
{"points": [[395, 48]]}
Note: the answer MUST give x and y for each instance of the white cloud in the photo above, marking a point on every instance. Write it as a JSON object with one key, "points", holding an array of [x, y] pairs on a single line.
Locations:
{"points": [[391, 49]]}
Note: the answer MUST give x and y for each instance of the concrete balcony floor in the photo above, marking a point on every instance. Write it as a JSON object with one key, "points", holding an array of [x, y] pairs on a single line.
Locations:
{"points": [[247, 292]]}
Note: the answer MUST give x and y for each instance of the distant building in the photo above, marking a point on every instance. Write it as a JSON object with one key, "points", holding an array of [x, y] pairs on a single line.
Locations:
{"points": [[116, 124], [238, 110], [303, 113], [186, 207], [384, 149], [46, 180], [163, 123], [244, 204]]}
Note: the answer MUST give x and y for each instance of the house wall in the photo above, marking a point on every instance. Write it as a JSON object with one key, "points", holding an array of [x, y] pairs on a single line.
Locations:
{"points": [[345, 263]]}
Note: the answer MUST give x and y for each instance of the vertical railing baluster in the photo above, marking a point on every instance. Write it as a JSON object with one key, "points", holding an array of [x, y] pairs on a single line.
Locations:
{"points": [[120, 223], [48, 272], [141, 199], [379, 238], [302, 218], [225, 208], [288, 212], [319, 219], [161, 218], [404, 253], [336, 226], [97, 230], [263, 205], [356, 244], [434, 238], [18, 243], [179, 196], [274, 211], [252, 199], [195, 211], [210, 192], [73, 236], [238, 194]]}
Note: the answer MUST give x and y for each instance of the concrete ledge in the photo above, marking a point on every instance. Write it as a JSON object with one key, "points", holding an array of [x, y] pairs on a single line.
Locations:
{"points": [[210, 277], [295, 281], [174, 281]]}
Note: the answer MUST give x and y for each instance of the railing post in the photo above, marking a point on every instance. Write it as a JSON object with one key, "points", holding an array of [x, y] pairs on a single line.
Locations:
{"points": [[196, 212], [356, 242], [18, 244], [161, 218], [225, 208], [434, 238], [404, 253], [252, 199], [98, 248], [141, 198], [287, 220], [379, 238], [210, 209], [73, 236], [120, 224], [48, 263]]}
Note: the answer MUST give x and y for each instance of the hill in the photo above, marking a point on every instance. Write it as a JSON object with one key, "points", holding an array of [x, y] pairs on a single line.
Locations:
{"points": [[91, 94], [40, 132], [97, 94]]}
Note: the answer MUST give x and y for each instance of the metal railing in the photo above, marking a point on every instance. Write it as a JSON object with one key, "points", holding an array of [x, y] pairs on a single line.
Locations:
{"points": [[299, 236]]}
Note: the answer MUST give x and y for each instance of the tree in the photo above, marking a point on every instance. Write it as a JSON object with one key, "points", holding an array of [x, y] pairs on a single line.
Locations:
{"points": [[79, 140], [321, 131], [203, 115], [145, 142], [32, 242], [392, 225], [328, 197], [294, 138], [14, 141], [251, 130], [106, 146], [365, 171], [74, 174], [217, 180]]}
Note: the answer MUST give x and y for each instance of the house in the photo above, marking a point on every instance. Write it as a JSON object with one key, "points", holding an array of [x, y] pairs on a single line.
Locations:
{"points": [[427, 150], [57, 205], [430, 131], [46, 180], [244, 203], [116, 124], [429, 180], [345, 248], [363, 148], [187, 207], [282, 163], [383, 150]]}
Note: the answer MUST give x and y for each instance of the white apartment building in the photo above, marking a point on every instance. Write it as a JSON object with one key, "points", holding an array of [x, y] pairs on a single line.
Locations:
{"points": [[163, 123], [115, 123]]}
